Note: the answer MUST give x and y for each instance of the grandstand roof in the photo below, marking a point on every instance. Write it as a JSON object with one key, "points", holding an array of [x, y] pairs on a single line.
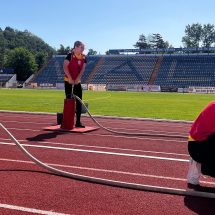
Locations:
{"points": [[163, 50]]}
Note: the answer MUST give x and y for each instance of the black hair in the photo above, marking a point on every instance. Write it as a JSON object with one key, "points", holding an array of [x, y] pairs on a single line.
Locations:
{"points": [[77, 44]]}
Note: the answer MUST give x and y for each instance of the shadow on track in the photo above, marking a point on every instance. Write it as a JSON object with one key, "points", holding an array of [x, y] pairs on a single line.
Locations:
{"points": [[201, 206], [32, 171], [44, 136]]}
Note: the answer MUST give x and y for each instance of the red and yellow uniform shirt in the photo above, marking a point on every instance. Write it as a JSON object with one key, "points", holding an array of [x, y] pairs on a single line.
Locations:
{"points": [[204, 125], [75, 65]]}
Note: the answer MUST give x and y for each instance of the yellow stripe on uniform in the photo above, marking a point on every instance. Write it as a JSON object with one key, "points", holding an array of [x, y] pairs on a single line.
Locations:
{"points": [[190, 138]]}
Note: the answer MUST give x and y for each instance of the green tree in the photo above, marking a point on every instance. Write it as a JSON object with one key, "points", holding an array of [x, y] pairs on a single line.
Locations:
{"points": [[208, 35], [14, 39], [142, 42], [2, 49], [9, 37], [40, 59], [152, 41], [23, 63], [193, 35], [91, 52], [156, 41], [63, 50]]}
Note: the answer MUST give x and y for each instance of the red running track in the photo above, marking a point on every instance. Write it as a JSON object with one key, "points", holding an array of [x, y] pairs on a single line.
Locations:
{"points": [[28, 189]]}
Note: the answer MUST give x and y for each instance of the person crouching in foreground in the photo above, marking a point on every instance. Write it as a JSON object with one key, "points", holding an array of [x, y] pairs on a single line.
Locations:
{"points": [[74, 66], [201, 145]]}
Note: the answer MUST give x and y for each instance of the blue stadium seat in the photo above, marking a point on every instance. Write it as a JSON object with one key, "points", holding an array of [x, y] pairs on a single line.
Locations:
{"points": [[173, 70]]}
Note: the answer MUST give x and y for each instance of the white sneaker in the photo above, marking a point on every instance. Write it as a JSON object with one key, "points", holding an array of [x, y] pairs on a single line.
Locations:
{"points": [[194, 172], [193, 181]]}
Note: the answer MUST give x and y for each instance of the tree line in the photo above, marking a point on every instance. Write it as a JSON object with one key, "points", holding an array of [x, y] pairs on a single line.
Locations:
{"points": [[26, 53], [23, 51], [196, 36]]}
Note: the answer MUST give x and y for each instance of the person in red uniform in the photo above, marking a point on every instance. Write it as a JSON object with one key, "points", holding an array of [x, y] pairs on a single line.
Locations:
{"points": [[74, 66], [201, 145]]}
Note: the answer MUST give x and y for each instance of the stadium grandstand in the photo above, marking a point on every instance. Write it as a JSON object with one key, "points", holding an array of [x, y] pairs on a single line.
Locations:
{"points": [[170, 69], [7, 77]]}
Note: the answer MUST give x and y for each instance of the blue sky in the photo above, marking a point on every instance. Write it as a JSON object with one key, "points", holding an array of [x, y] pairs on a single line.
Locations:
{"points": [[105, 24]]}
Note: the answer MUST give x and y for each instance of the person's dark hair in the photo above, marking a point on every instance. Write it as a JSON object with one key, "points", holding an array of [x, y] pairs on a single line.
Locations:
{"points": [[77, 44]]}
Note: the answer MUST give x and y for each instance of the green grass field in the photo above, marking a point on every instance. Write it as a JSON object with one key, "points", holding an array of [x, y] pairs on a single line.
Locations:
{"points": [[128, 104]]}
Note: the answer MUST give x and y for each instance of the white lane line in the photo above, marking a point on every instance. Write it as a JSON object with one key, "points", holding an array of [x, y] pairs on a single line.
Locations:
{"points": [[25, 129], [102, 152], [18, 122], [105, 170], [100, 147], [24, 115], [146, 124], [111, 148], [30, 210], [137, 138], [150, 131], [115, 136], [116, 128]]}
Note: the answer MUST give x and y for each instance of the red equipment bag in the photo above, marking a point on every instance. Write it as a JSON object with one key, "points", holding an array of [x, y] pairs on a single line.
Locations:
{"points": [[68, 114]]}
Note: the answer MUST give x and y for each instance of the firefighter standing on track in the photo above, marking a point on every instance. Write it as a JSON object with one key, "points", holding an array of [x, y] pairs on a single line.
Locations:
{"points": [[74, 66]]}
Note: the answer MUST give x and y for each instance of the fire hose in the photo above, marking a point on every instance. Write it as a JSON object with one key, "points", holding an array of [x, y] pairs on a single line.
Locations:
{"points": [[135, 186]]}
